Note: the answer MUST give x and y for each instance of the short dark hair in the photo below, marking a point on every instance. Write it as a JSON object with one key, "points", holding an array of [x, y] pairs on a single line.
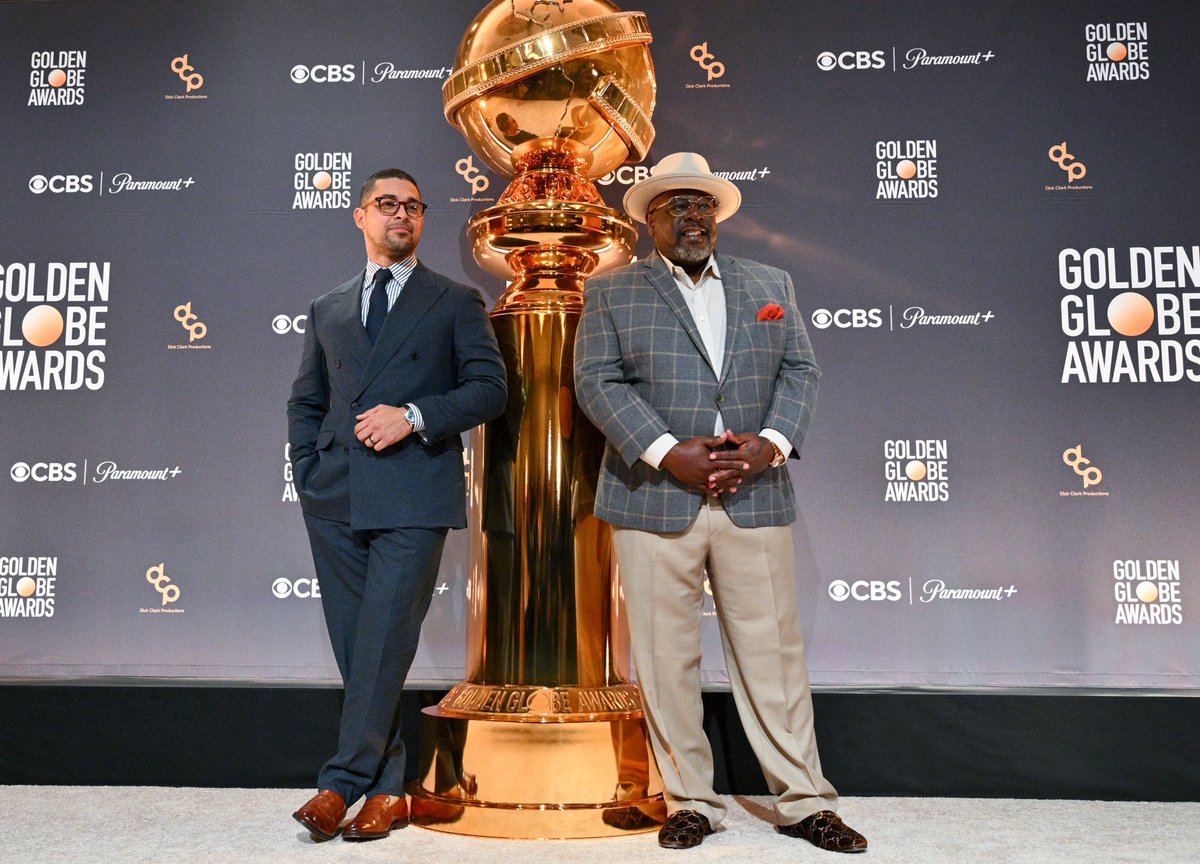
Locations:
{"points": [[385, 174]]}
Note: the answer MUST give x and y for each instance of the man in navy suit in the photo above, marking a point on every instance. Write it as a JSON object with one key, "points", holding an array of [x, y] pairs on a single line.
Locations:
{"points": [[397, 363], [697, 368]]}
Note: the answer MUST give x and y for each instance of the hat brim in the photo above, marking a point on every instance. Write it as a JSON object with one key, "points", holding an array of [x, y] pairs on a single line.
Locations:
{"points": [[640, 194]]}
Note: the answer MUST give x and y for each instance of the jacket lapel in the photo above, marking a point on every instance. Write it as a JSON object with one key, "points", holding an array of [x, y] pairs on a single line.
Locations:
{"points": [[347, 320], [660, 277], [735, 303]]}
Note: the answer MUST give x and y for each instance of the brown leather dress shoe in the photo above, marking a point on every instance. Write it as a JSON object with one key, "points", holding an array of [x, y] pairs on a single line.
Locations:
{"points": [[322, 814], [426, 811], [628, 819], [684, 829], [376, 819], [826, 830]]}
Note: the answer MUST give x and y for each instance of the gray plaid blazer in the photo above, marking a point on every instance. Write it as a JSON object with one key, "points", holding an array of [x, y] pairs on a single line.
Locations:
{"points": [[641, 370]]}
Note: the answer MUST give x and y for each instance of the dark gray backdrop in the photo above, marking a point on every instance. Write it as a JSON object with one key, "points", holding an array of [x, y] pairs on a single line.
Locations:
{"points": [[809, 94]]}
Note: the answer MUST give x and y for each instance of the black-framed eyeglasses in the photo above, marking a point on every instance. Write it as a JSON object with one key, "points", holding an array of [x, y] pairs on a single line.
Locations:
{"points": [[680, 205], [390, 206]]}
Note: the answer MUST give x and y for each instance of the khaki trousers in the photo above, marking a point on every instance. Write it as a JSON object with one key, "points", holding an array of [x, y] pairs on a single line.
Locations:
{"points": [[752, 575]]}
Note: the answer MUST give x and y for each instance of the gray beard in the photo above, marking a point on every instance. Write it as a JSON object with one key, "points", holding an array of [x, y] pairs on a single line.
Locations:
{"points": [[684, 255]]}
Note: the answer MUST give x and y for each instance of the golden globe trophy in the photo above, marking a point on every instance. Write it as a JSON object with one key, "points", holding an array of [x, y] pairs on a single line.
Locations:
{"points": [[545, 737]]}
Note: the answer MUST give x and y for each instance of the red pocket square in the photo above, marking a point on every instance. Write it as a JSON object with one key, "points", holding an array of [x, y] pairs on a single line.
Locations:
{"points": [[770, 312]]}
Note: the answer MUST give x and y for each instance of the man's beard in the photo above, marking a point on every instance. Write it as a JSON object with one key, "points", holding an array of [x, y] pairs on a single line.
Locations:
{"points": [[682, 254], [400, 248]]}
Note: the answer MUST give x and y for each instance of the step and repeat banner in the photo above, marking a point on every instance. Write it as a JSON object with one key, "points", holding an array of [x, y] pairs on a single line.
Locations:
{"points": [[989, 212]]}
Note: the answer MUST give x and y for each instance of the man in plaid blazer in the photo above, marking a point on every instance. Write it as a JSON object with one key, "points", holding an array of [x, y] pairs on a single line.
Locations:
{"points": [[697, 369]]}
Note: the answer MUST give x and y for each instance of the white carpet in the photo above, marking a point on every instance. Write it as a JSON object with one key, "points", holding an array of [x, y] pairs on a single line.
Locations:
{"points": [[129, 825]]}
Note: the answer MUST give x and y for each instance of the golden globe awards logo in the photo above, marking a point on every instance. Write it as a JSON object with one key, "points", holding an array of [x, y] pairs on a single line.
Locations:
{"points": [[52, 325], [906, 170], [321, 181], [916, 470], [1128, 315], [1117, 52], [57, 77], [1147, 592], [289, 483], [27, 586]]}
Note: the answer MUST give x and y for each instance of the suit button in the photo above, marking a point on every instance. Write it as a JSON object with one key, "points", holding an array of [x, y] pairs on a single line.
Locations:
{"points": [[345, 449], [720, 398], [337, 364], [353, 404]]}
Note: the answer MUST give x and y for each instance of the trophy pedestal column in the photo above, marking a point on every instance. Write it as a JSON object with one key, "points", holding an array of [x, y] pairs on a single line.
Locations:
{"points": [[546, 737]]}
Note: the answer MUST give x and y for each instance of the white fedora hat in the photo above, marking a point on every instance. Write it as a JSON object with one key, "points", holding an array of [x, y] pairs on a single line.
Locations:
{"points": [[682, 171]]}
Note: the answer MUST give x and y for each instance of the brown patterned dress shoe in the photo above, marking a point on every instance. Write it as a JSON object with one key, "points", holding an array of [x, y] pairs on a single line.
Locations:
{"points": [[377, 818], [683, 830], [826, 830], [322, 814]]}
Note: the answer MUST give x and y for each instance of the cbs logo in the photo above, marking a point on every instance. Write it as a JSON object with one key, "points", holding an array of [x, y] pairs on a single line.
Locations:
{"points": [[874, 589], [303, 588], [323, 74], [59, 183], [844, 319], [625, 175], [43, 472], [284, 324], [827, 60]]}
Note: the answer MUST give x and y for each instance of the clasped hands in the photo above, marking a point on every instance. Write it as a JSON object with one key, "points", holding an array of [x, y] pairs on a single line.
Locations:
{"points": [[382, 426], [701, 464]]}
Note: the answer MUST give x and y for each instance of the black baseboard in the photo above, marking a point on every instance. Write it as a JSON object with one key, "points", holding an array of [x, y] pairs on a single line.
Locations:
{"points": [[995, 746]]}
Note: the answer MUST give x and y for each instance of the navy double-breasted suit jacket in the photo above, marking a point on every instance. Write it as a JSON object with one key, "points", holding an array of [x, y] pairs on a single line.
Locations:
{"points": [[437, 351]]}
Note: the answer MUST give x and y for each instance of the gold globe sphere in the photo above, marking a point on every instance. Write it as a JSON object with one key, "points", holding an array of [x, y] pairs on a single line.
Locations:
{"points": [[552, 71]]}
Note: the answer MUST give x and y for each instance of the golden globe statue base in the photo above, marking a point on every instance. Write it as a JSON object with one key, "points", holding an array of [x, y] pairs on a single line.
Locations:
{"points": [[536, 776]]}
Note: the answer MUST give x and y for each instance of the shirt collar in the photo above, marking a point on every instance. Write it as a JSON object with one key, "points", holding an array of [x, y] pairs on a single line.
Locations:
{"points": [[680, 275], [399, 269]]}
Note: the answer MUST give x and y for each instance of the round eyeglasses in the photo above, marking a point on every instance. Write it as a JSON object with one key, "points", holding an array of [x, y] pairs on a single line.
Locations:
{"points": [[681, 205]]}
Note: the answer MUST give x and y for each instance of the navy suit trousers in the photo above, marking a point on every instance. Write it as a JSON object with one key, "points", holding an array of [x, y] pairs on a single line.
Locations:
{"points": [[376, 587]]}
